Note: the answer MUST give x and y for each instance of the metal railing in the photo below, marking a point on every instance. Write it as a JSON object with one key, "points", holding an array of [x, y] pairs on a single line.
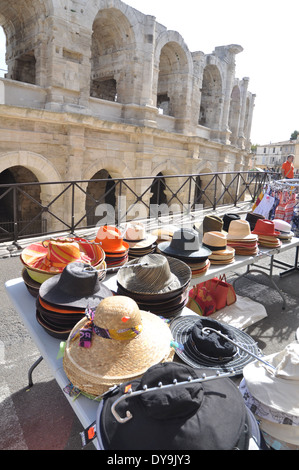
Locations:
{"points": [[72, 205]]}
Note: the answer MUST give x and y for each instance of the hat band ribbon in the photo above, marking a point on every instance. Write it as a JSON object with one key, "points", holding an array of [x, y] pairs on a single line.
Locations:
{"points": [[214, 248], [121, 335]]}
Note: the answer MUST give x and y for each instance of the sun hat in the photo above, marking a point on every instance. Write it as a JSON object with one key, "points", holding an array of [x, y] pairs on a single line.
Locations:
{"points": [[215, 241], [281, 432], [154, 274], [49, 257], [227, 219], [125, 342], [135, 235], [206, 415], [276, 388], [78, 286], [211, 351], [185, 244], [265, 227], [240, 230], [111, 240]]}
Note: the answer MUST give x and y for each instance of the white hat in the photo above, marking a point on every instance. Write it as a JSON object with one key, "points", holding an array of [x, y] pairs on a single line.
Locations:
{"points": [[282, 225], [279, 387], [281, 432]]}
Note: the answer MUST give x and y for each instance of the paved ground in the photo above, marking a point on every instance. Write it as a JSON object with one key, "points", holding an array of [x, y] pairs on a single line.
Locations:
{"points": [[41, 418]]}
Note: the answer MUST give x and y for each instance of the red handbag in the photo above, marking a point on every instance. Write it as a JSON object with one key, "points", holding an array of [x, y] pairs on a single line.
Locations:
{"points": [[209, 296]]}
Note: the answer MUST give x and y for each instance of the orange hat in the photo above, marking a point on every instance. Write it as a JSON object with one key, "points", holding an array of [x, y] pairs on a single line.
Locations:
{"points": [[111, 240]]}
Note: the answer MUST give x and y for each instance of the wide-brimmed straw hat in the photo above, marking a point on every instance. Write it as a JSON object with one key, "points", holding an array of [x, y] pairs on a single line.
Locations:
{"points": [[240, 230], [185, 244], [207, 415], [111, 240], [125, 342], [265, 227], [211, 350], [78, 286], [276, 388], [50, 257], [154, 274], [135, 235]]}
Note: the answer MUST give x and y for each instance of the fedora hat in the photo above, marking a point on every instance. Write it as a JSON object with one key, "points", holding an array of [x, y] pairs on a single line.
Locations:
{"points": [[278, 387], [185, 244], [284, 228], [50, 257], [252, 218], [212, 223], [240, 230], [211, 350], [118, 343], [154, 274], [135, 235], [215, 241], [111, 240], [78, 286], [206, 415], [227, 219], [265, 227]]}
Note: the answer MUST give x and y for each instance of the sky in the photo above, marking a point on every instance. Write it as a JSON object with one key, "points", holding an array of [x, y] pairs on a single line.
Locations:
{"points": [[268, 32]]}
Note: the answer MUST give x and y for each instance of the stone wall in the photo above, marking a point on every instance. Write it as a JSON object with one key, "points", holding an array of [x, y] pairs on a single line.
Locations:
{"points": [[96, 85]]}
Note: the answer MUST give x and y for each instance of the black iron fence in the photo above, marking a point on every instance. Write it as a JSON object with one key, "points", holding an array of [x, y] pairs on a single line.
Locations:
{"points": [[72, 205]]}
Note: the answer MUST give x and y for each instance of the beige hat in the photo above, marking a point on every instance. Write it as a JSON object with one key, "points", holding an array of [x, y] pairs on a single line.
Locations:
{"points": [[135, 235], [125, 342], [281, 432], [277, 388], [240, 230]]}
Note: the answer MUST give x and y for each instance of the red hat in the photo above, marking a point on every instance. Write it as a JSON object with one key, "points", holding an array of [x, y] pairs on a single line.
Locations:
{"points": [[265, 227]]}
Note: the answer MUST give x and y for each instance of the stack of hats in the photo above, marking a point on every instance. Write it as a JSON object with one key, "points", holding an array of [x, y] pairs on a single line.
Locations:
{"points": [[43, 260], [227, 219], [157, 283], [252, 218], [140, 243], [116, 249], [185, 245], [267, 235], [63, 299], [202, 347], [118, 342], [270, 391], [172, 407], [241, 239], [284, 229], [217, 243]]}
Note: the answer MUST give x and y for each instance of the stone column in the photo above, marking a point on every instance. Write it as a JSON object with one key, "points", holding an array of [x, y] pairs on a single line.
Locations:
{"points": [[242, 130]]}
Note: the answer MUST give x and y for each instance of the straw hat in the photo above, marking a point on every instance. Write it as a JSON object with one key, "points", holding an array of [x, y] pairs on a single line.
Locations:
{"points": [[135, 235], [211, 351], [111, 240], [284, 229], [210, 415], [154, 274], [78, 286], [240, 230], [49, 257], [277, 389], [125, 342], [185, 244]]}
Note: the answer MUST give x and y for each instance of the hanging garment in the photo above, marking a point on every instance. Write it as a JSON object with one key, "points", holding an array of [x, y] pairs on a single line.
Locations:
{"points": [[289, 208], [265, 206], [279, 213]]}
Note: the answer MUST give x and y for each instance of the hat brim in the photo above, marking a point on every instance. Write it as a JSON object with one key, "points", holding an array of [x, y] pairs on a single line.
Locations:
{"points": [[149, 240], [202, 253], [51, 292], [251, 237], [181, 328]]}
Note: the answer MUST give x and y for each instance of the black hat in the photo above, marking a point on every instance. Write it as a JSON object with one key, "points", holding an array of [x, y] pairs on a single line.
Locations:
{"points": [[211, 350], [206, 415], [252, 218], [185, 245], [227, 218], [78, 286]]}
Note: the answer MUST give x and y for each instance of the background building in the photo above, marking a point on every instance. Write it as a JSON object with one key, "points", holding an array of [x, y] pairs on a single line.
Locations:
{"points": [[96, 89], [271, 156]]}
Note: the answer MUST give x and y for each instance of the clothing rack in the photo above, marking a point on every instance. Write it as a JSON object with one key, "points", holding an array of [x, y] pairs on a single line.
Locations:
{"points": [[284, 184], [203, 378]]}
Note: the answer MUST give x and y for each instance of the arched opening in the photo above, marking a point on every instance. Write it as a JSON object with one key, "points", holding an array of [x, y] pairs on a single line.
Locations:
{"points": [[211, 98], [101, 199], [20, 208]]}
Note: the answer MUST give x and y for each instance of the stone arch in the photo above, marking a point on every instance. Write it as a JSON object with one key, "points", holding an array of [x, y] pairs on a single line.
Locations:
{"points": [[173, 68], [211, 97], [203, 191]]}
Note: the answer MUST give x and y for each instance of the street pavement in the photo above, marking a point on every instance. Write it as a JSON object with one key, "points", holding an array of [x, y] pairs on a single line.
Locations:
{"points": [[41, 418]]}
